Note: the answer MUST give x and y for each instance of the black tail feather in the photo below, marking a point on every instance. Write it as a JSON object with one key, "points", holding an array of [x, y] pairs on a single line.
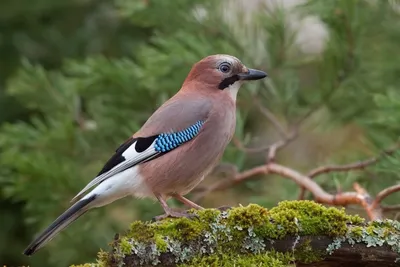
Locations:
{"points": [[65, 219]]}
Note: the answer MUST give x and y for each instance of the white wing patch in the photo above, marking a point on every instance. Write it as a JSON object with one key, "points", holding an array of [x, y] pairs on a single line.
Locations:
{"points": [[132, 158]]}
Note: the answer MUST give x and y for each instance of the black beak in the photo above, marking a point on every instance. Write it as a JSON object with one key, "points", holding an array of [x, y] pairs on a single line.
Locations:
{"points": [[252, 75]]}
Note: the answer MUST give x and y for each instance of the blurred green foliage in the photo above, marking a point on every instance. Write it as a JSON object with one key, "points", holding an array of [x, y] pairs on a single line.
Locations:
{"points": [[78, 77]]}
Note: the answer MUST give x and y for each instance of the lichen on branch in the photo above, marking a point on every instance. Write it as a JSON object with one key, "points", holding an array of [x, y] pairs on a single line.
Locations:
{"points": [[294, 231]]}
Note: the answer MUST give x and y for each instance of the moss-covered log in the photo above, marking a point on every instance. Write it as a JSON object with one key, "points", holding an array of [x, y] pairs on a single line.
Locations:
{"points": [[295, 233]]}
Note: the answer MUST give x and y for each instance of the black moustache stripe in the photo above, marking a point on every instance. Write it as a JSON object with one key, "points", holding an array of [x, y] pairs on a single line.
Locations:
{"points": [[228, 81]]}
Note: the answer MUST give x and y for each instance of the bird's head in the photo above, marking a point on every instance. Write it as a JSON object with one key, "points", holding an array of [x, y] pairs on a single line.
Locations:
{"points": [[221, 73]]}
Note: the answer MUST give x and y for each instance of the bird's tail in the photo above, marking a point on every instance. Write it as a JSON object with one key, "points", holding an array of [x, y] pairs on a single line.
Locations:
{"points": [[65, 219]]}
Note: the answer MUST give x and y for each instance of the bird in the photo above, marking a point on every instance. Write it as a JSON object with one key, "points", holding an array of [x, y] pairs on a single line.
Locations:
{"points": [[179, 144]]}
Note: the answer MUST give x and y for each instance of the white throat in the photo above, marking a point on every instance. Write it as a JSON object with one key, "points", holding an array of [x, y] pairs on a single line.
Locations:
{"points": [[233, 89]]}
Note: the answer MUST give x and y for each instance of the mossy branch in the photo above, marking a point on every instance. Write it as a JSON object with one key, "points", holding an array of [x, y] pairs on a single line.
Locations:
{"points": [[292, 234]]}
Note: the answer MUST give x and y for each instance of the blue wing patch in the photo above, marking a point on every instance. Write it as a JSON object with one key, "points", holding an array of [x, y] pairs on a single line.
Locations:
{"points": [[166, 142]]}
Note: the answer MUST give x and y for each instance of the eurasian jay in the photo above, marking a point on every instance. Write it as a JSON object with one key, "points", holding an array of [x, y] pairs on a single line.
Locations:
{"points": [[177, 146]]}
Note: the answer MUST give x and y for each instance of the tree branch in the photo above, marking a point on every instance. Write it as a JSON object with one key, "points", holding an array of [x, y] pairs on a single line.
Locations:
{"points": [[281, 144], [239, 145], [360, 165], [385, 193], [342, 199], [342, 168], [387, 208], [359, 197]]}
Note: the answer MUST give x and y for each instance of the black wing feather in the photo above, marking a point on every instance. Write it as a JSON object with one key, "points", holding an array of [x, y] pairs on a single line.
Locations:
{"points": [[142, 143], [117, 158]]}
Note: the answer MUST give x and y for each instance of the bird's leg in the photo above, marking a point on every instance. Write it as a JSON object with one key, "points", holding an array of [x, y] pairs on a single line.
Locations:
{"points": [[187, 202], [169, 212]]}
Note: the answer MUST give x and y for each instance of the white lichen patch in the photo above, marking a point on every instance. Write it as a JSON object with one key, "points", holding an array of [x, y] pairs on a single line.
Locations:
{"points": [[154, 254], [295, 243], [376, 234], [252, 242], [336, 244]]}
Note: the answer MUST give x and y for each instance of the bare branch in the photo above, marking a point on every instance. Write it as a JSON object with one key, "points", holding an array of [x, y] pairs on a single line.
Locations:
{"points": [[388, 208], [280, 144], [272, 151], [360, 197], [385, 193], [322, 196], [342, 168], [360, 165], [241, 147]]}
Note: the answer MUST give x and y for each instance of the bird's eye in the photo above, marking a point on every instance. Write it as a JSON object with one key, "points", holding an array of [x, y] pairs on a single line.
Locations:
{"points": [[225, 67]]}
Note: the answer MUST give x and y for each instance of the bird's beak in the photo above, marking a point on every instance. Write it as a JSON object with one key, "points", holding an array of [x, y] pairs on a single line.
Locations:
{"points": [[252, 74]]}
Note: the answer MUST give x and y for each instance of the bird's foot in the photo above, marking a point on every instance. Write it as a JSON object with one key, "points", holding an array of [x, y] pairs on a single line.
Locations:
{"points": [[175, 214]]}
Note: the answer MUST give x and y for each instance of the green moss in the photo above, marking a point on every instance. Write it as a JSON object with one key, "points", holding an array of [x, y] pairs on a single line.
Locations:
{"points": [[215, 237], [141, 231], [357, 231], [306, 254], [252, 215], [177, 228], [126, 246], [181, 229], [102, 257], [310, 218], [207, 215], [161, 244], [272, 259]]}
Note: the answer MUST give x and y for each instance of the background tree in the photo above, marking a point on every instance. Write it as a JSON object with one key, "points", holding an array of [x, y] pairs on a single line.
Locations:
{"points": [[77, 78]]}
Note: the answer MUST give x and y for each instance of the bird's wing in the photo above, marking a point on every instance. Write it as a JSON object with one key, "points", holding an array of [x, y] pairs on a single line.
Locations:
{"points": [[174, 124]]}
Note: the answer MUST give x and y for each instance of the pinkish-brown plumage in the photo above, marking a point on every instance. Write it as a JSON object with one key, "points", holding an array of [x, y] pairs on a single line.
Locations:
{"points": [[186, 166], [208, 94]]}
